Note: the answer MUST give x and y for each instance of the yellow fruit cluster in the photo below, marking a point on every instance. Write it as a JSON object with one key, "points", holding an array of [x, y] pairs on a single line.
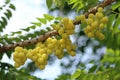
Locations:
{"points": [[19, 56], [95, 24], [51, 45]]}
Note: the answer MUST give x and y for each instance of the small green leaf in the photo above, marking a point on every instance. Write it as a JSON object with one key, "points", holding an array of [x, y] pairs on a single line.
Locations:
{"points": [[33, 27], [26, 29], [17, 32], [36, 23], [73, 1], [116, 25], [12, 6], [48, 28], [82, 25], [2, 74], [75, 5], [116, 5], [58, 18], [48, 17], [7, 1], [92, 69], [42, 20], [110, 21], [4, 22], [49, 3], [80, 7], [76, 74], [8, 14]]}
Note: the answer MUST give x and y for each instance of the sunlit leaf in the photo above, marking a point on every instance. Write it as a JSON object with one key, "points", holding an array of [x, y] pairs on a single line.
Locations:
{"points": [[76, 74], [48, 17], [75, 5], [42, 20], [116, 5], [36, 23], [116, 25], [49, 3], [58, 18], [72, 1]]}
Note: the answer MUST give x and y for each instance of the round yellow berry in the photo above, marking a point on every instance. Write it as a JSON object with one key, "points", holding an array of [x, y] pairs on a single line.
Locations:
{"points": [[91, 16], [100, 9]]}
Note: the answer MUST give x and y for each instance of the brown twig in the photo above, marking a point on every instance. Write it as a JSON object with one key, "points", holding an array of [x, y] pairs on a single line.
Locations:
{"points": [[28, 42], [51, 33]]}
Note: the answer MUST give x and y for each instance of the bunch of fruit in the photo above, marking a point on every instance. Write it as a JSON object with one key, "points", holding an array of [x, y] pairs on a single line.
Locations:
{"points": [[51, 45], [95, 24]]}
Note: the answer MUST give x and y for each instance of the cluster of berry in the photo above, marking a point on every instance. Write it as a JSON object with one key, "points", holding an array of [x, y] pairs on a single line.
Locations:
{"points": [[52, 45], [19, 56], [95, 24]]}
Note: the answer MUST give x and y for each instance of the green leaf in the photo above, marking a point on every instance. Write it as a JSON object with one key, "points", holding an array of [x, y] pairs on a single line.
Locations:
{"points": [[26, 29], [36, 23], [7, 1], [33, 27], [2, 74], [116, 25], [8, 14], [17, 32], [92, 69], [82, 25], [49, 3], [58, 18], [4, 22], [76, 74], [110, 21], [80, 7], [75, 5], [42, 20], [12, 6], [73, 1], [115, 6], [48, 17], [109, 24]]}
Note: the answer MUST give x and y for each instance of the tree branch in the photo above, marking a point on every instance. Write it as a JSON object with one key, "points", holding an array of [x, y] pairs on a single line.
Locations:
{"points": [[28, 42], [51, 33]]}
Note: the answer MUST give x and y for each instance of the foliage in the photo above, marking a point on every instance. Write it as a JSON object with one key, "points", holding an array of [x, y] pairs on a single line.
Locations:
{"points": [[105, 68]]}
